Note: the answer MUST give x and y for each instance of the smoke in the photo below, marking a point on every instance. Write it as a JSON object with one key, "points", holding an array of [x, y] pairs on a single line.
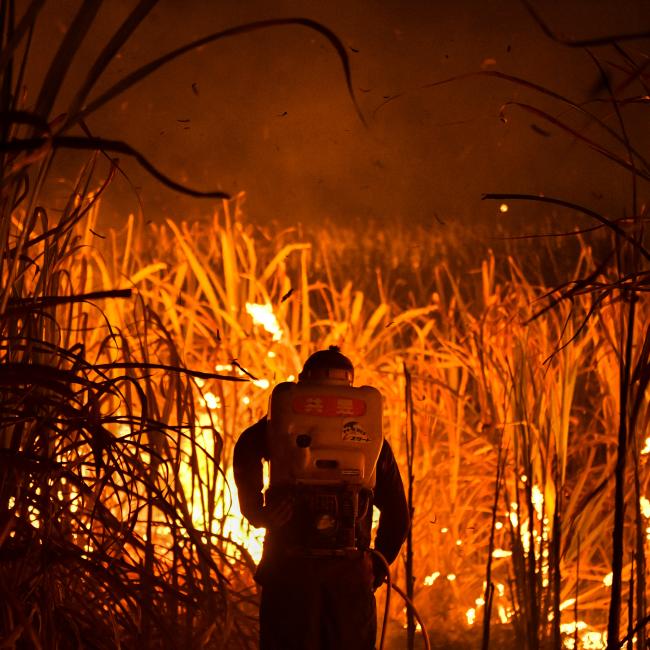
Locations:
{"points": [[268, 113]]}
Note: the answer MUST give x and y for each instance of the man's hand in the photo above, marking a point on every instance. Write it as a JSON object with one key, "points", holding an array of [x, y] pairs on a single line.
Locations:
{"points": [[276, 514]]}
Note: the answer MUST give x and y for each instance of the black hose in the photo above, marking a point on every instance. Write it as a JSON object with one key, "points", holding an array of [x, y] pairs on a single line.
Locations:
{"points": [[408, 602]]}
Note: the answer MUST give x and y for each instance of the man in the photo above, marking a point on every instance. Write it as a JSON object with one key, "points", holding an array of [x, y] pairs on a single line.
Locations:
{"points": [[315, 599]]}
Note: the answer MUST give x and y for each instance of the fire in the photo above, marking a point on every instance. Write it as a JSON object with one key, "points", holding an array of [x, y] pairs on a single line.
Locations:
{"points": [[263, 315], [227, 521], [645, 507], [236, 528]]}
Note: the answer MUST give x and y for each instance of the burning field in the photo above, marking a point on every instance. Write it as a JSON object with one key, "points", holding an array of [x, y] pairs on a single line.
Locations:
{"points": [[121, 519], [514, 372]]}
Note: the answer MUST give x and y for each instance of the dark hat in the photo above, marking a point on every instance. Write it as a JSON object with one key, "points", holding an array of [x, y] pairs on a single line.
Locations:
{"points": [[328, 364]]}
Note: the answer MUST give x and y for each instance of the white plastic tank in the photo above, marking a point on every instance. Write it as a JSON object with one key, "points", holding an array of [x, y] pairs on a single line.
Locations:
{"points": [[321, 434]]}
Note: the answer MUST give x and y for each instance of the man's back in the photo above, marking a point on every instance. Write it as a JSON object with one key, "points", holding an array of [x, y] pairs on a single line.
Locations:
{"points": [[318, 585]]}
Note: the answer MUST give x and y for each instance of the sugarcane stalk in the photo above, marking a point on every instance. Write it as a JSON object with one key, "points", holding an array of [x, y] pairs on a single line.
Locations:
{"points": [[614, 618], [410, 444]]}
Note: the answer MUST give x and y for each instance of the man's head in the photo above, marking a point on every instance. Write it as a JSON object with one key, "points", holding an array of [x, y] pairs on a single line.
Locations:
{"points": [[328, 367]]}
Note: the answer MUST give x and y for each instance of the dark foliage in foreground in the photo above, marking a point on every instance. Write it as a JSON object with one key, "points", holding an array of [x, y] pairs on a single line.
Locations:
{"points": [[100, 542]]}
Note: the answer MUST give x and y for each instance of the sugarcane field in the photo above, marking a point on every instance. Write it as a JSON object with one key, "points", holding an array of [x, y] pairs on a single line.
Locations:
{"points": [[324, 326]]}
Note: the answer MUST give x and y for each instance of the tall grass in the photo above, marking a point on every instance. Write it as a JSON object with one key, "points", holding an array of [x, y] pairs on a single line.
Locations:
{"points": [[114, 506], [483, 375], [98, 539], [157, 522], [131, 360]]}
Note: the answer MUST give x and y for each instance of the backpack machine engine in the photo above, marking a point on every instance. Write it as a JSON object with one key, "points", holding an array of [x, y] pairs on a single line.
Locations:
{"points": [[324, 440]]}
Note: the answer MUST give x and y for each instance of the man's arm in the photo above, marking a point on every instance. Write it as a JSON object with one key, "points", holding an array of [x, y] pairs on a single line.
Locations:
{"points": [[247, 465], [394, 519]]}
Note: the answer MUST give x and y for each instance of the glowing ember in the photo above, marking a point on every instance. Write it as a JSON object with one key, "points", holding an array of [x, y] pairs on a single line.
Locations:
{"points": [[212, 401], [567, 603], [263, 315], [589, 639], [570, 628], [471, 616], [538, 500], [594, 640], [429, 580], [645, 507]]}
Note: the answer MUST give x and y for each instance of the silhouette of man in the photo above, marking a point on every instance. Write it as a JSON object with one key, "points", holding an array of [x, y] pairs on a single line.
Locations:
{"points": [[317, 576]]}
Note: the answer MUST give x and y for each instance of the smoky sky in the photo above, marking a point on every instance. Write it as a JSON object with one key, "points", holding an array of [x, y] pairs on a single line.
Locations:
{"points": [[268, 113]]}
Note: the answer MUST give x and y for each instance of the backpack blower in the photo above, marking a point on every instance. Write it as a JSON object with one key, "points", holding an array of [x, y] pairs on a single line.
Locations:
{"points": [[324, 441]]}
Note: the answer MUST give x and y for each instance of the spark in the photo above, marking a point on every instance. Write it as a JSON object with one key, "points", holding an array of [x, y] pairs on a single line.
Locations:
{"points": [[503, 207], [471, 615], [500, 552]]}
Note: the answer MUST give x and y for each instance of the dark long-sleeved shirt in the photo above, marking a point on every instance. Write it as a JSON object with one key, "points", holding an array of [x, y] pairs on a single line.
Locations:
{"points": [[251, 450]]}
